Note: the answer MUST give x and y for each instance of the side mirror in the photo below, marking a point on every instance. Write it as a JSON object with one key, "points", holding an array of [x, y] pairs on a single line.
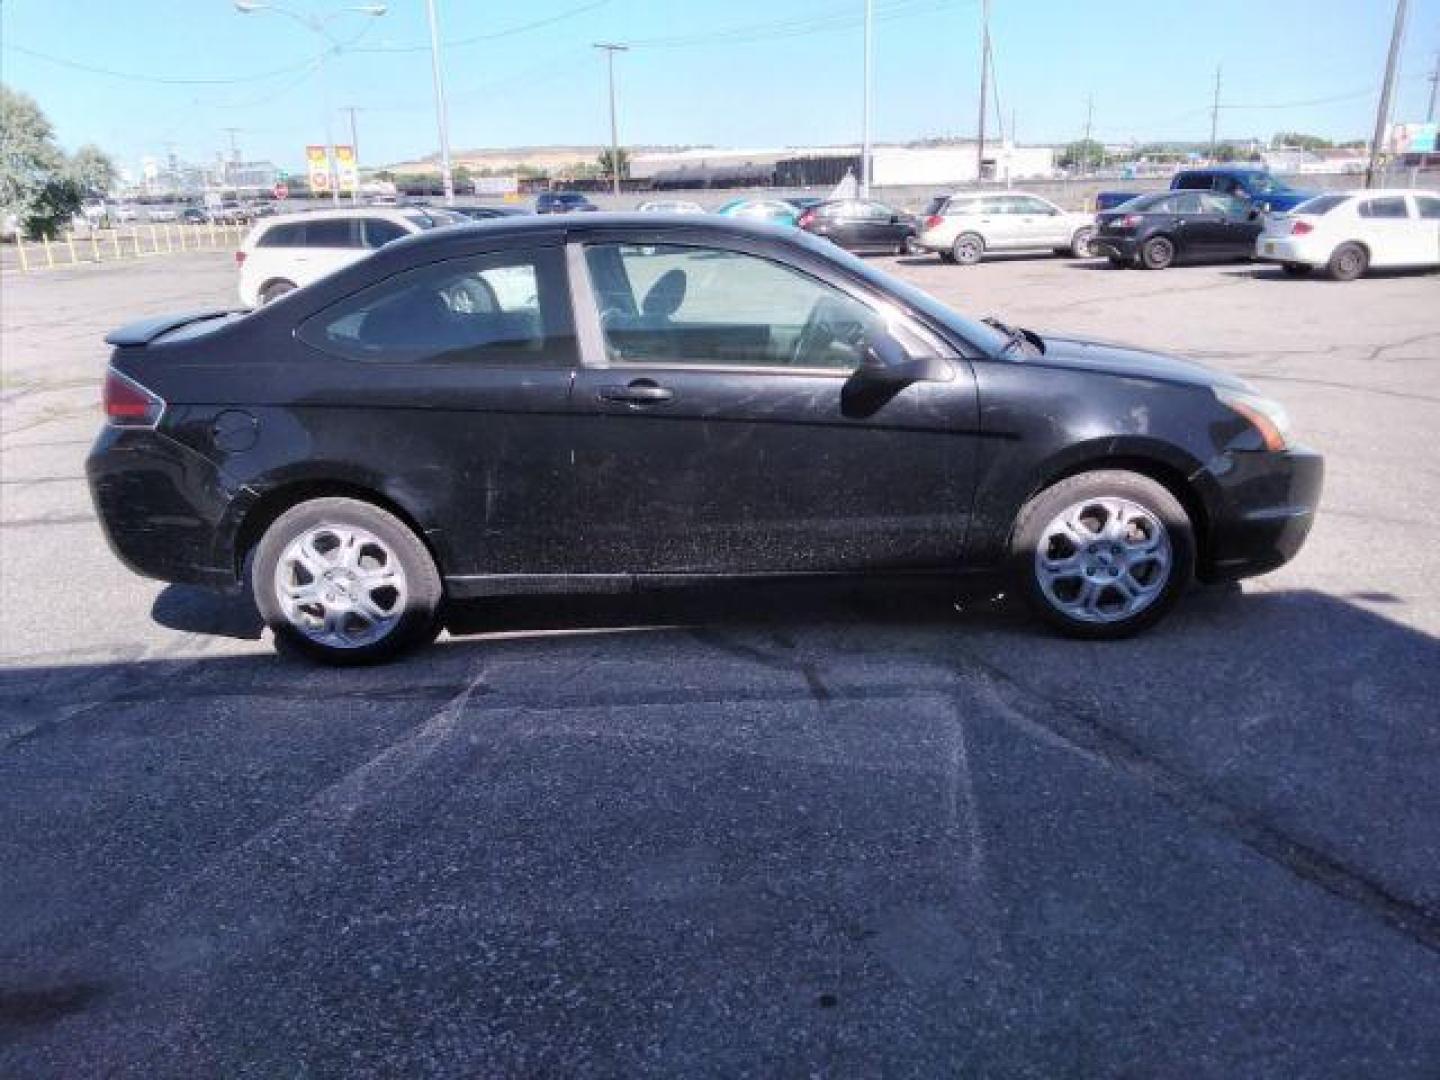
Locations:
{"points": [[887, 361]]}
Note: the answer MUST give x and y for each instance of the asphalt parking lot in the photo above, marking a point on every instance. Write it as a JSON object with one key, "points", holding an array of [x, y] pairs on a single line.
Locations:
{"points": [[783, 832]]}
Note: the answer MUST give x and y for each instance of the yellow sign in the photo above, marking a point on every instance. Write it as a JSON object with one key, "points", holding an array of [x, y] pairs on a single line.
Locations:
{"points": [[347, 168], [318, 163]]}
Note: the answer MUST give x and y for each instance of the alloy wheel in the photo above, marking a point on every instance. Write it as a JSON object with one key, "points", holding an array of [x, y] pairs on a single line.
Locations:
{"points": [[340, 586], [1103, 560]]}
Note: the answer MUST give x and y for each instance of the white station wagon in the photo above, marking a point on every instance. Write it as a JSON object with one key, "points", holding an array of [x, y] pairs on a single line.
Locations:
{"points": [[963, 227], [1347, 232]]}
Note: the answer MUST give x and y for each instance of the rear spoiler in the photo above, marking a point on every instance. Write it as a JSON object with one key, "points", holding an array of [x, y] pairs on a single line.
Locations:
{"points": [[147, 330]]}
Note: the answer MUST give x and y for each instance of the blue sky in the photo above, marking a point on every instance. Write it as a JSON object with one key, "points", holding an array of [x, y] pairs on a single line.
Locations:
{"points": [[728, 72]]}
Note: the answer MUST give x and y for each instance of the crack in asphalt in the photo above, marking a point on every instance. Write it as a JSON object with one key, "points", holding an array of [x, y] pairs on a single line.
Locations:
{"points": [[1078, 726]]}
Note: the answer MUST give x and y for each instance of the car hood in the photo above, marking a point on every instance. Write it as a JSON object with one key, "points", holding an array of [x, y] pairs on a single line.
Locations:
{"points": [[1107, 358]]}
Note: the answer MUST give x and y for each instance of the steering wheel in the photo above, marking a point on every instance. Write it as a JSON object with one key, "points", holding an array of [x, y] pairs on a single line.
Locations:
{"points": [[829, 322], [470, 295]]}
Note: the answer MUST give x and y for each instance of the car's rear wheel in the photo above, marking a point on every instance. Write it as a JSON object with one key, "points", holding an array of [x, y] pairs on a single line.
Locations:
{"points": [[1296, 269], [1080, 243], [275, 289], [1157, 253], [968, 249], [1103, 554], [1348, 262], [345, 582]]}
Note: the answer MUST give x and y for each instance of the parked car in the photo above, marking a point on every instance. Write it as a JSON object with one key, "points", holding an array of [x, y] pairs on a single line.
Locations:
{"points": [[1158, 230], [195, 215], [158, 215], [124, 214], [970, 224], [775, 211], [519, 407], [486, 213], [1248, 183], [287, 252], [803, 202], [670, 206], [1348, 232], [860, 225], [562, 202]]}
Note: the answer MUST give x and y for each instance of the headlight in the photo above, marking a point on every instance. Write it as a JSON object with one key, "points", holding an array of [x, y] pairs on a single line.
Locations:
{"points": [[1268, 417]]}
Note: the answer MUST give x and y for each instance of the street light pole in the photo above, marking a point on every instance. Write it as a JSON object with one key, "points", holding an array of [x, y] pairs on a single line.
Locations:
{"points": [[355, 151], [1382, 114], [611, 48], [441, 119], [984, 81], [316, 25], [865, 155]]}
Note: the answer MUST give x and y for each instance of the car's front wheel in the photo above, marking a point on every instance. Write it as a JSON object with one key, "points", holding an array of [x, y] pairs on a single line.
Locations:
{"points": [[1103, 554], [1157, 253], [344, 582]]}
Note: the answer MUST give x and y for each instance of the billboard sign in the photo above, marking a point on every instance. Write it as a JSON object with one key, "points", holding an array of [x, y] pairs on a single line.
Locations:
{"points": [[1414, 138], [347, 169], [317, 164]]}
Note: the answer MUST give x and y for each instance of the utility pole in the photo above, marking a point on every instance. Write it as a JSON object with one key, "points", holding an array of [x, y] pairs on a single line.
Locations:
{"points": [[1085, 142], [611, 48], [1434, 85], [1215, 115], [1382, 114], [234, 153], [442, 121], [355, 153], [984, 84], [865, 171]]}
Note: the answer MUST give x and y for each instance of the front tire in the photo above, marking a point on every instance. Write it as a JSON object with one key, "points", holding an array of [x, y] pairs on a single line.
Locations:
{"points": [[968, 249], [1157, 253], [1103, 555], [344, 582], [1348, 262]]}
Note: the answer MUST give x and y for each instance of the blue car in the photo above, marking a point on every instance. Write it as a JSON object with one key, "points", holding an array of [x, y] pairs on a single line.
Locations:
{"points": [[1243, 182], [775, 211]]}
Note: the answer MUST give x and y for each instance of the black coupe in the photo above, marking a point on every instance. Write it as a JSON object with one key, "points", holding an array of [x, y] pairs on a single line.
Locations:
{"points": [[589, 402]]}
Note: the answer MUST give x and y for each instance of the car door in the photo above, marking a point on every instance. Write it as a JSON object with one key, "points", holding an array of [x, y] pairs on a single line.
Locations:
{"points": [[1427, 210], [1221, 227], [330, 243], [1198, 232], [460, 368], [1000, 223], [1388, 230], [1046, 225], [720, 426]]}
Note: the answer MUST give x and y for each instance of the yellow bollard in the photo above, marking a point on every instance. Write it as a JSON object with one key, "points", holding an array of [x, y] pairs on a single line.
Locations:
{"points": [[49, 254], [154, 240], [212, 232], [181, 231], [135, 235], [24, 255], [169, 244], [115, 239], [95, 244], [70, 243]]}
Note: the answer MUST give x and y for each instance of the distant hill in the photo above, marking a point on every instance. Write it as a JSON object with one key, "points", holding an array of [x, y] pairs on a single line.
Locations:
{"points": [[544, 158]]}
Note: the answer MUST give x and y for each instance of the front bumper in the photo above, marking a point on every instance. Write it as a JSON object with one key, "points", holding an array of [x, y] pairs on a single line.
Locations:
{"points": [[162, 507], [1263, 511]]}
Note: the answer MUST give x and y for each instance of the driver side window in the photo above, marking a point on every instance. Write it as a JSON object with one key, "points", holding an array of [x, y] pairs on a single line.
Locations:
{"points": [[707, 307]]}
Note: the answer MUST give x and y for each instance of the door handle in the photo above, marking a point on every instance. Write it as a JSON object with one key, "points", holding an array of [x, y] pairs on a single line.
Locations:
{"points": [[639, 392]]}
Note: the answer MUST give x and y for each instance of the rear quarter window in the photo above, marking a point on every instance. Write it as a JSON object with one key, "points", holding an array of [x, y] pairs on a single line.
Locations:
{"points": [[1321, 204], [1428, 206], [291, 234]]}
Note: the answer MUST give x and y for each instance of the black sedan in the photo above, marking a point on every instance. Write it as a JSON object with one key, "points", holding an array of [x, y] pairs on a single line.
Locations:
{"points": [[487, 213], [562, 202], [1158, 230], [591, 402], [860, 225]]}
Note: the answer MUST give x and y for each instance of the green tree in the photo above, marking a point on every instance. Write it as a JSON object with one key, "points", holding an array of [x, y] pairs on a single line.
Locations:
{"points": [[463, 179], [30, 162], [1301, 141], [1082, 152], [607, 167], [93, 170]]}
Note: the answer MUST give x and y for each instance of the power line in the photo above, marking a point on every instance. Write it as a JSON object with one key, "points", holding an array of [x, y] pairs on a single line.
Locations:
{"points": [[460, 43], [225, 80], [777, 29]]}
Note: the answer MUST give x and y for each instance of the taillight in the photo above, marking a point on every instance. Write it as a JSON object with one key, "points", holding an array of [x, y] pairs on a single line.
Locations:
{"points": [[239, 258], [933, 221], [128, 404], [806, 218], [1300, 228], [1129, 221]]}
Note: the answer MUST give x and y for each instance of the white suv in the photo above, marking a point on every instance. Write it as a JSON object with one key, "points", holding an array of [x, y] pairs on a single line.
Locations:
{"points": [[284, 253], [965, 226]]}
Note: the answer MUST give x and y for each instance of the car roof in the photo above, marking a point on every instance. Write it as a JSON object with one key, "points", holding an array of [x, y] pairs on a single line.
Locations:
{"points": [[392, 213], [1357, 192]]}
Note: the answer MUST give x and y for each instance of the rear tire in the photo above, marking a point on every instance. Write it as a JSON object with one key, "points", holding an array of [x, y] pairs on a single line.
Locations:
{"points": [[1157, 253], [1348, 262], [1080, 244], [968, 249], [1102, 555], [273, 290], [344, 582]]}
